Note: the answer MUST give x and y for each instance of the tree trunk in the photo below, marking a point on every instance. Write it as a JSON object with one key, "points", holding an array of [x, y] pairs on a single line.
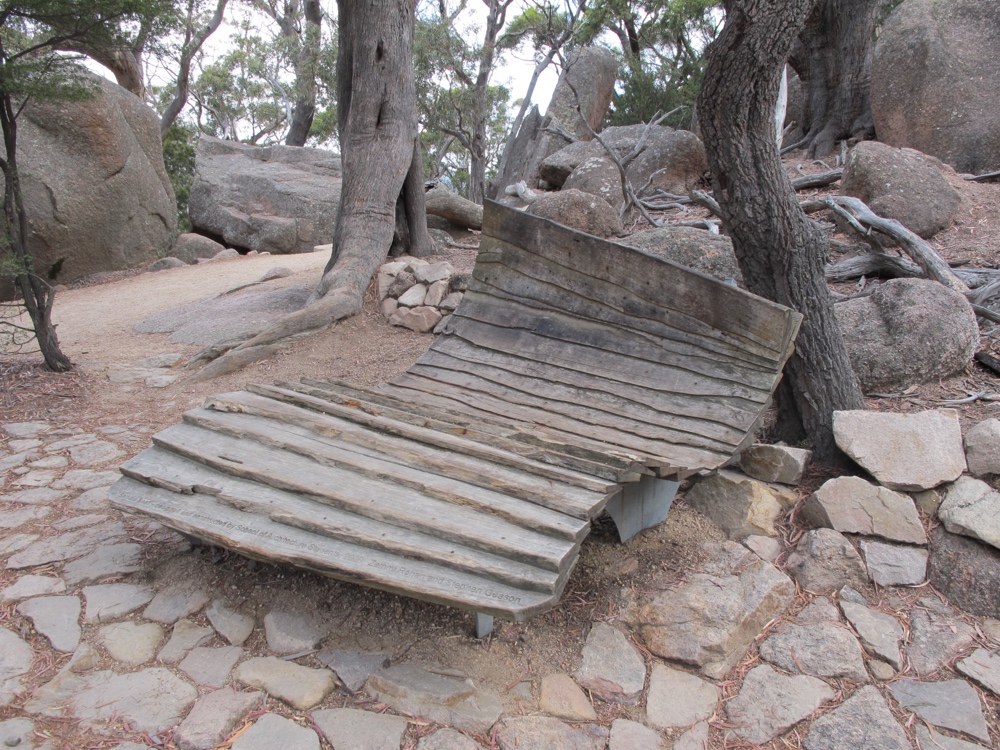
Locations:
{"points": [[780, 251], [833, 58], [305, 75], [377, 118], [495, 20]]}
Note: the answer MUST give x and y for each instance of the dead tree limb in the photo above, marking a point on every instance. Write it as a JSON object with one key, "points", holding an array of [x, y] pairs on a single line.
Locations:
{"points": [[453, 207], [982, 177], [817, 180]]}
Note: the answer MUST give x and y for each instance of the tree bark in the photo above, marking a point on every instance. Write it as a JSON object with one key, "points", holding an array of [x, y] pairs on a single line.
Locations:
{"points": [[833, 58], [780, 251], [377, 117]]}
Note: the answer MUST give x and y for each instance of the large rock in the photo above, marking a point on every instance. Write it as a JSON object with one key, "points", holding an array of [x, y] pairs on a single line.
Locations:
{"points": [[901, 184], [966, 571], [586, 88], [710, 619], [95, 189], [740, 506], [675, 164], [621, 139], [972, 508], [695, 248], [906, 452], [189, 247], [982, 448], [851, 505], [276, 199], [907, 332], [770, 702], [600, 176], [580, 211], [939, 59], [825, 560], [821, 649]]}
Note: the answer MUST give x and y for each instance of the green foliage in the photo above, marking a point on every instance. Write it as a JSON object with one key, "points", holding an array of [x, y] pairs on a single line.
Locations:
{"points": [[179, 144]]}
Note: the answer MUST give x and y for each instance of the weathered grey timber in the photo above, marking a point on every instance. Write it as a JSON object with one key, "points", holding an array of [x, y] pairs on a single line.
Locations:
{"points": [[573, 368]]}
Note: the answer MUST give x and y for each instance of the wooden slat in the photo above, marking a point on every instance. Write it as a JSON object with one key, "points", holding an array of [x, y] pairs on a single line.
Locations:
{"points": [[160, 468], [352, 492], [201, 515], [330, 450]]}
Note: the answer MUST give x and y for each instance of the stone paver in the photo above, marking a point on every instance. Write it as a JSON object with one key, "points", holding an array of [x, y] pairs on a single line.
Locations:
{"points": [[16, 542], [353, 668], [822, 649], [450, 700], [95, 499], [11, 519], [15, 660], [983, 667], [769, 703], [37, 496], [938, 741], [880, 633], [893, 565], [29, 586], [151, 700], [862, 721], [711, 619], [214, 717], [174, 602], [851, 505], [85, 479], [291, 631], [520, 732], [448, 739], [231, 624], [952, 704], [95, 453], [302, 687], [109, 601], [67, 546], [904, 452], [612, 668], [696, 738], [25, 429], [131, 642], [210, 667], [360, 730], [563, 698], [185, 636], [824, 560], [55, 617], [104, 562], [982, 447], [678, 699], [631, 735], [935, 639], [272, 731], [21, 733]]}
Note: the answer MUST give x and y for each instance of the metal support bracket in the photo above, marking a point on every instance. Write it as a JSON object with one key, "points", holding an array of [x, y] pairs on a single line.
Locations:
{"points": [[484, 625], [641, 504]]}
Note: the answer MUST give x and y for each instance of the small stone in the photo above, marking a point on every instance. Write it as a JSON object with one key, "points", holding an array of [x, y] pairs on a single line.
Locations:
{"points": [[160, 381], [213, 717], [880, 670], [982, 448], [966, 571], [418, 319], [210, 667], [109, 601], [447, 699], [972, 508], [612, 668], [174, 602], [452, 301], [696, 738], [272, 731], [538, 732], [822, 649], [130, 642], [564, 699], [231, 624], [30, 586], [927, 501], [292, 631], [892, 565], [938, 741], [764, 547], [165, 264], [104, 562], [952, 704], [414, 296], [991, 627], [880, 633], [678, 699], [447, 739], [824, 560], [361, 730], [770, 702], [436, 293], [275, 272], [820, 609], [740, 506], [403, 281], [904, 452], [935, 640], [775, 463], [160, 360], [55, 617], [11, 462], [185, 636], [15, 660], [862, 721], [631, 735], [388, 307], [853, 506], [982, 667], [96, 453], [442, 324], [302, 687], [711, 619], [434, 272], [353, 668]]}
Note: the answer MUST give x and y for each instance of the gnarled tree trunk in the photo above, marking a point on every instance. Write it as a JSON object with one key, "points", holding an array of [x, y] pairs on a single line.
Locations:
{"points": [[377, 117], [780, 251], [304, 109], [833, 58]]}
